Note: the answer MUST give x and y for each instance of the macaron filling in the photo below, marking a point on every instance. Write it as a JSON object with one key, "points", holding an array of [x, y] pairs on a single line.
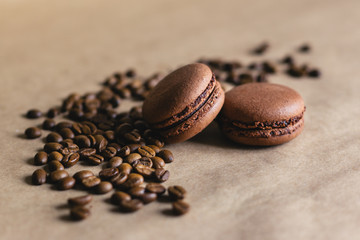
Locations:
{"points": [[189, 110]]}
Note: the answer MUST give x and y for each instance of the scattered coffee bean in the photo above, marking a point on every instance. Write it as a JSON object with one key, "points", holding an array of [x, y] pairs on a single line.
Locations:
{"points": [[155, 148], [133, 159], [119, 179], [80, 201], [125, 168], [166, 155], [55, 165], [79, 213], [79, 176], [41, 158], [55, 156], [86, 152], [131, 205], [146, 151], [136, 191], [148, 197], [48, 124], [39, 177], [66, 183], [33, 113], [155, 188], [54, 137], [314, 73], [104, 187], [176, 192], [119, 196], [145, 171], [67, 133], [109, 152], [180, 207], [53, 112], [108, 173], [158, 162], [115, 162], [33, 132], [52, 146], [124, 152], [161, 174], [91, 181], [95, 159], [57, 175], [305, 48], [261, 49], [133, 180], [70, 160]]}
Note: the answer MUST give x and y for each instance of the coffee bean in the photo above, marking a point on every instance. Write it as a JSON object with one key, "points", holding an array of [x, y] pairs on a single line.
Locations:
{"points": [[101, 143], [115, 162], [176, 192], [55, 156], [108, 173], [146, 161], [146, 151], [95, 159], [124, 128], [91, 181], [161, 174], [48, 124], [52, 146], [294, 71], [268, 67], [79, 213], [119, 196], [180, 207], [66, 183], [39, 177], [57, 175], [133, 180], [155, 148], [80, 201], [304, 48], [55, 165], [261, 78], [314, 73], [64, 124], [148, 197], [86, 152], [166, 155], [132, 137], [91, 125], [81, 129], [33, 132], [131, 205], [54, 137], [115, 145], [133, 147], [124, 152], [125, 168], [53, 112], [136, 191], [33, 113], [69, 147], [288, 60], [41, 158], [133, 159], [70, 160], [79, 176], [119, 179], [82, 141], [67, 133], [158, 162], [155, 188], [103, 187], [145, 171], [109, 152], [261, 49]]}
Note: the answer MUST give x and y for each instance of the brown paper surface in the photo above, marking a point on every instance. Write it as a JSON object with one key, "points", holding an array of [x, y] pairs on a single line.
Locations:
{"points": [[305, 189]]}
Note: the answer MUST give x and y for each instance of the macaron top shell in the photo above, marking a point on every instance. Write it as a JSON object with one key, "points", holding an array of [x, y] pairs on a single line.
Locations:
{"points": [[262, 102], [176, 92]]}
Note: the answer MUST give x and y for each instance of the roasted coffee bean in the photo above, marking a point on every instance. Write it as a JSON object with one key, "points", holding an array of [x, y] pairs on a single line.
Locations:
{"points": [[155, 148], [288, 60], [81, 129], [79, 176], [109, 152], [48, 124], [146, 161], [148, 197], [144, 170], [245, 78], [55, 156], [166, 155], [103, 187], [261, 49], [34, 113], [124, 128], [119, 196], [52, 146], [69, 147], [108, 173], [161, 174], [80, 201], [158, 162], [86, 152], [136, 191], [124, 152], [54, 137], [119, 179], [55, 165], [132, 137], [125, 168], [33, 132], [115, 162], [314, 73], [66, 183], [304, 48], [146, 151], [155, 188], [41, 158], [176, 192], [156, 142], [39, 177], [180, 207], [79, 213], [53, 112], [91, 125], [133, 159], [82, 141], [115, 145], [133, 147], [268, 67], [67, 141], [124, 93], [109, 135], [57, 175], [95, 159], [70, 160], [91, 181], [261, 78], [67, 133], [64, 124], [131, 205], [133, 180], [101, 143], [136, 112]]}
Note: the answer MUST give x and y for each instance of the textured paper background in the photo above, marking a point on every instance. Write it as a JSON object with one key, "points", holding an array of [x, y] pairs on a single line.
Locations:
{"points": [[306, 189]]}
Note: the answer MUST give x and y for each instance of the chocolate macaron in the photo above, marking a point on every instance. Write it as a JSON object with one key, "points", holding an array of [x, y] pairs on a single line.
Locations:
{"points": [[262, 114], [184, 103]]}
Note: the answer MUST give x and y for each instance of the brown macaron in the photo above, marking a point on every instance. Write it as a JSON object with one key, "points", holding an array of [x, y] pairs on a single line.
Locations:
{"points": [[184, 103], [262, 114]]}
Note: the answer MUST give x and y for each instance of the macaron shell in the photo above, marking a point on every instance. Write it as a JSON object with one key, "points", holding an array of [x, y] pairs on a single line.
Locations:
{"points": [[200, 120], [175, 92], [262, 102]]}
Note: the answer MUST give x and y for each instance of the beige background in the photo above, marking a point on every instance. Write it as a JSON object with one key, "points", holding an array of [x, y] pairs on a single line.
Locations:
{"points": [[306, 189]]}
